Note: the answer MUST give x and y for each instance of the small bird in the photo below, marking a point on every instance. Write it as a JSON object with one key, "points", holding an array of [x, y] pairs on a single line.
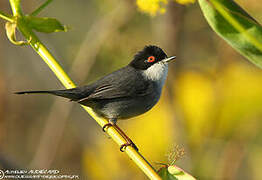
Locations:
{"points": [[125, 93]]}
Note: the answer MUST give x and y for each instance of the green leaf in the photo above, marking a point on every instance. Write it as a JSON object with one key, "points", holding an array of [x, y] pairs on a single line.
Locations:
{"points": [[44, 24], [174, 173], [236, 27]]}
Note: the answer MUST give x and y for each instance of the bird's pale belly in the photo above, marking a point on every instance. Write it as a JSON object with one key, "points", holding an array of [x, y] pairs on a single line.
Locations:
{"points": [[125, 107]]}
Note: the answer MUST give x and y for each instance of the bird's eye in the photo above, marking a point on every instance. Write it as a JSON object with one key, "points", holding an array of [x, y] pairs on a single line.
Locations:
{"points": [[151, 59]]}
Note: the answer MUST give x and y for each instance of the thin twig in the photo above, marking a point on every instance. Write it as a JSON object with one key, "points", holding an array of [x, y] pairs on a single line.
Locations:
{"points": [[40, 8], [6, 17]]}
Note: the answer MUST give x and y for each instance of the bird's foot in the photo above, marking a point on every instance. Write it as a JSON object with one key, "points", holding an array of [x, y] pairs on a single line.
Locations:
{"points": [[106, 126], [123, 146], [129, 142]]}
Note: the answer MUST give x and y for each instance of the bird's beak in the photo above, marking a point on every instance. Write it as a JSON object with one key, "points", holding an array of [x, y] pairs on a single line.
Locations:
{"points": [[168, 59]]}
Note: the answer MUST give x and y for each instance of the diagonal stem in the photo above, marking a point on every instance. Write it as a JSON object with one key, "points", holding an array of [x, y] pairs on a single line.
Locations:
{"points": [[6, 17], [41, 7], [16, 7]]}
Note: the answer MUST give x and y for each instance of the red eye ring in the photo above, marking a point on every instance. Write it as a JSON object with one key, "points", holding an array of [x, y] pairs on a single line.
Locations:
{"points": [[151, 59]]}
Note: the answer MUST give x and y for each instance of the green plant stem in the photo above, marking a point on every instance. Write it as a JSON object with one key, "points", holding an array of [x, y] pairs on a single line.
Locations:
{"points": [[6, 17], [16, 7], [40, 8], [67, 82]]}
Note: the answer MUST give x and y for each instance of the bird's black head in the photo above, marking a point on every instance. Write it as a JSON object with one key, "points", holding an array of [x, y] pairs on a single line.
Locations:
{"points": [[147, 57]]}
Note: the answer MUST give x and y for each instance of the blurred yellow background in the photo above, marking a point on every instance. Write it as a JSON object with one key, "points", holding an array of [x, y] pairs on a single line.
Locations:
{"points": [[211, 105]]}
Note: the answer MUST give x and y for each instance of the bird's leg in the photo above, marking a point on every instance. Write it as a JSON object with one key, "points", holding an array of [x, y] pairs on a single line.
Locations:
{"points": [[129, 142]]}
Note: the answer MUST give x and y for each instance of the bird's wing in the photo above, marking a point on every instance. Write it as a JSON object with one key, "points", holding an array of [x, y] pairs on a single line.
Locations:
{"points": [[120, 86], [112, 92]]}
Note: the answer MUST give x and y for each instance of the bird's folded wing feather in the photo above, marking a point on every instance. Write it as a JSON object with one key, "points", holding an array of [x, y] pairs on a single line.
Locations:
{"points": [[119, 87], [111, 92]]}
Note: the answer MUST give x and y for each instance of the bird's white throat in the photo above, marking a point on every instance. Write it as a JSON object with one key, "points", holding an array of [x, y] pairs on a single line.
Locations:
{"points": [[157, 73]]}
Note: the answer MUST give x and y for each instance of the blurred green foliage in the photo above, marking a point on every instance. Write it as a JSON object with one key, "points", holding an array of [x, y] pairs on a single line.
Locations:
{"points": [[235, 26], [211, 105]]}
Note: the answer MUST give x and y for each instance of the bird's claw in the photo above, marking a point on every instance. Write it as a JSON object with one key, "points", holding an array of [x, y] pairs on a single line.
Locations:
{"points": [[106, 126], [123, 146]]}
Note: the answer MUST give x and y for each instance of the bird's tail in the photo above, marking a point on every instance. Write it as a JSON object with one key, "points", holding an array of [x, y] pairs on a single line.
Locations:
{"points": [[72, 94]]}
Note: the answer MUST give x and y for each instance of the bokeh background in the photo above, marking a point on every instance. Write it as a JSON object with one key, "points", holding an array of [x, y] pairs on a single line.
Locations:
{"points": [[211, 106]]}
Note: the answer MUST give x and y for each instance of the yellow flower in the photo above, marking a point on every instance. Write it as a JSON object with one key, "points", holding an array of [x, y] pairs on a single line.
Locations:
{"points": [[152, 7]]}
